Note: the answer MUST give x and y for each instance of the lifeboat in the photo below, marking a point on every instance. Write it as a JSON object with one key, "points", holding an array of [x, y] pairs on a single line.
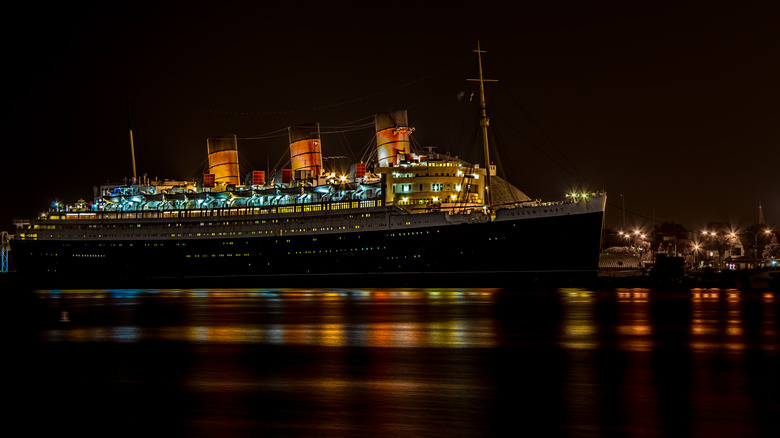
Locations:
{"points": [[154, 198], [174, 196], [242, 193]]}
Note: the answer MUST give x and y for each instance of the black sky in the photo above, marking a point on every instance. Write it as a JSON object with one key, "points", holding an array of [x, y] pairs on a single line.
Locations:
{"points": [[675, 106]]}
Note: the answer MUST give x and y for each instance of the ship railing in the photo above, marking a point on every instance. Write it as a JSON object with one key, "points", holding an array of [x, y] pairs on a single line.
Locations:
{"points": [[219, 212]]}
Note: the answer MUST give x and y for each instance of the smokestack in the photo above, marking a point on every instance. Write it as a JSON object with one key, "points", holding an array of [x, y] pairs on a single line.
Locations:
{"points": [[305, 150], [223, 158], [392, 137]]}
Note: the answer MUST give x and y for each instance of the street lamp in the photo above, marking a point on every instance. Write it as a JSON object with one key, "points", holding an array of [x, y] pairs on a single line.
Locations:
{"points": [[712, 235], [627, 236], [631, 238], [638, 237]]}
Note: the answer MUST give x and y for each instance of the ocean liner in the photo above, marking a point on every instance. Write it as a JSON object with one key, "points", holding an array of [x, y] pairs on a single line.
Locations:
{"points": [[405, 218]]}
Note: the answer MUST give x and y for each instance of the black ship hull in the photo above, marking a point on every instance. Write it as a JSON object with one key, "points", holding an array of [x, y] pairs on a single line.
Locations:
{"points": [[554, 250]]}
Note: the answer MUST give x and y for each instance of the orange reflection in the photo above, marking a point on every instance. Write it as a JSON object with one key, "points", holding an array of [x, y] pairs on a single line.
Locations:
{"points": [[769, 320], [380, 335], [634, 324], [711, 328]]}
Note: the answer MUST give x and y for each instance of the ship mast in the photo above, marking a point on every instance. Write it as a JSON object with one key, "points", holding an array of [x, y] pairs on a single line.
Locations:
{"points": [[130, 127], [484, 121]]}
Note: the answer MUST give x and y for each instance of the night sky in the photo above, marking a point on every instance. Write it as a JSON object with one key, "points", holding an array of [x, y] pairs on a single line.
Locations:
{"points": [[675, 106]]}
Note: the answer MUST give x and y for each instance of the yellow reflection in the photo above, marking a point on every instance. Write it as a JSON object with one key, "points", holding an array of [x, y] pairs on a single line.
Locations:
{"points": [[333, 336], [577, 326]]}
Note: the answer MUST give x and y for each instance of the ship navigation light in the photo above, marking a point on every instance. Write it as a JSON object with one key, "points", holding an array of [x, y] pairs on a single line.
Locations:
{"points": [[577, 196]]}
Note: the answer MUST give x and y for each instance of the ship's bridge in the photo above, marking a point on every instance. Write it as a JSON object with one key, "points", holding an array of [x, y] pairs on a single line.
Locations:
{"points": [[436, 181]]}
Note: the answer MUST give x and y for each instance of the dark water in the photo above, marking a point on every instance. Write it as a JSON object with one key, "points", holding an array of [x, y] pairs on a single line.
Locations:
{"points": [[376, 362]]}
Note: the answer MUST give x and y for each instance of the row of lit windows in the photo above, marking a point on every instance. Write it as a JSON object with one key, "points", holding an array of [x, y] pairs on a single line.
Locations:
{"points": [[215, 234], [435, 187], [221, 211], [196, 256], [411, 233], [417, 175], [179, 224], [209, 224], [309, 252], [371, 248], [264, 232]]}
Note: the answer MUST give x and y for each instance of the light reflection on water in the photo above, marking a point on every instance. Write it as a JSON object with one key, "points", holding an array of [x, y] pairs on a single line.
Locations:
{"points": [[388, 318], [578, 327], [634, 326], [207, 323], [717, 321], [476, 333], [439, 362]]}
